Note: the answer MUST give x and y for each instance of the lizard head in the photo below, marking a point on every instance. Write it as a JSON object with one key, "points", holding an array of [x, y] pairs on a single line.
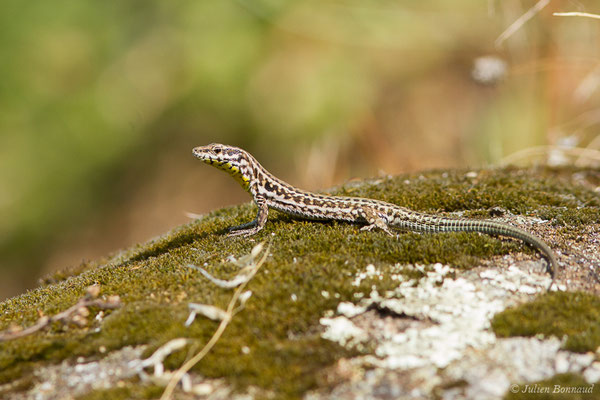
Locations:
{"points": [[233, 160]]}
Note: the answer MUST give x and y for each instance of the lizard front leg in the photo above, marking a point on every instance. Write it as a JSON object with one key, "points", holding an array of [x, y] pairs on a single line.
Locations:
{"points": [[256, 225]]}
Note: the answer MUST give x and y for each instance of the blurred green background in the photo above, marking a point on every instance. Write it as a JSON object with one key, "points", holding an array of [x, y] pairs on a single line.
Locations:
{"points": [[101, 103]]}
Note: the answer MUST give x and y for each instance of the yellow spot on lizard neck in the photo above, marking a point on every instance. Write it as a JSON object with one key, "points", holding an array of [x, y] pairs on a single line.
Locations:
{"points": [[234, 171]]}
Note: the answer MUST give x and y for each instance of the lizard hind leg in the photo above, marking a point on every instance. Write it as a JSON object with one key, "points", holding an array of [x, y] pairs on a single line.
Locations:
{"points": [[374, 220]]}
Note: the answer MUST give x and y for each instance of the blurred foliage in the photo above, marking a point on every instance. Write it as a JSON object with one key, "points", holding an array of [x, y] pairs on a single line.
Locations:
{"points": [[91, 91], [84, 84]]}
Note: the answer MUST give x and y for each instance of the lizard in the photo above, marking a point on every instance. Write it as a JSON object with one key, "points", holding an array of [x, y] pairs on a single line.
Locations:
{"points": [[269, 191]]}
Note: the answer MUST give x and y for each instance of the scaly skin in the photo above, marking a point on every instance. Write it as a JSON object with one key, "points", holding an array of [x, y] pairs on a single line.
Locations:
{"points": [[271, 192]]}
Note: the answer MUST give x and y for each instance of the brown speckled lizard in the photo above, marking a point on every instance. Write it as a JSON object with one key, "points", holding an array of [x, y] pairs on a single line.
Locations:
{"points": [[269, 191]]}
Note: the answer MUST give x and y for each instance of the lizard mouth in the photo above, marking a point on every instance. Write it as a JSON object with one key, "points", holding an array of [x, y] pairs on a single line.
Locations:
{"points": [[208, 155], [204, 153]]}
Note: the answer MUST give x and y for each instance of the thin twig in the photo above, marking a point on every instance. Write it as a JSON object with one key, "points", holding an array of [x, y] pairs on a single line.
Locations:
{"points": [[157, 358], [576, 14], [515, 26], [231, 309], [67, 315], [238, 280]]}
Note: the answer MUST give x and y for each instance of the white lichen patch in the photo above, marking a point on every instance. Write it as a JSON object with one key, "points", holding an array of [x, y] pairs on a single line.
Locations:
{"points": [[350, 310], [68, 379], [437, 329], [514, 360], [77, 378], [369, 272], [343, 331], [460, 313]]}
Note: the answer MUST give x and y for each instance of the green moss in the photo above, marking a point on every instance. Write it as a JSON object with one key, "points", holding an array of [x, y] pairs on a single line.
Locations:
{"points": [[571, 216], [63, 274], [574, 314], [19, 383], [286, 353], [555, 388]]}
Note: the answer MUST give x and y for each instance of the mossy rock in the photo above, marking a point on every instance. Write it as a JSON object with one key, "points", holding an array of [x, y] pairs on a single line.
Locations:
{"points": [[275, 342]]}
